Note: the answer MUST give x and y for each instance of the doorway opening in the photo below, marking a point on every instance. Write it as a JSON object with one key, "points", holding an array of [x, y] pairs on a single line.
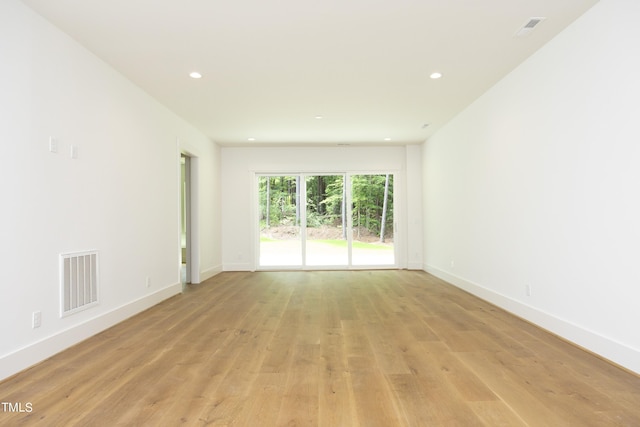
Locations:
{"points": [[326, 221], [185, 220]]}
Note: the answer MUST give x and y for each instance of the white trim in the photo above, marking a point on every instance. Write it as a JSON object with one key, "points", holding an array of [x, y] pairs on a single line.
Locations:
{"points": [[415, 266], [25, 357], [605, 347], [238, 266], [210, 272], [193, 212]]}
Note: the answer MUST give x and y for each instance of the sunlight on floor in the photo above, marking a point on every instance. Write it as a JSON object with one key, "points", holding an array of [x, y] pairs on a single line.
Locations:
{"points": [[324, 253]]}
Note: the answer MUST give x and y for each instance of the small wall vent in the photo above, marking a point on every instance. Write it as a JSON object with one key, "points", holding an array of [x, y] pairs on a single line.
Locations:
{"points": [[529, 26], [78, 281]]}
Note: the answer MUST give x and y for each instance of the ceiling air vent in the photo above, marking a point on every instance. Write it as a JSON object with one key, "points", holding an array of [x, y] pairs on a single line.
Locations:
{"points": [[529, 26]]}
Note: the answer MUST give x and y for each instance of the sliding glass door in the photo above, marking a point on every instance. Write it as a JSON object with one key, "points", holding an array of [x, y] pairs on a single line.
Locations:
{"points": [[372, 220], [326, 229], [279, 221], [326, 221]]}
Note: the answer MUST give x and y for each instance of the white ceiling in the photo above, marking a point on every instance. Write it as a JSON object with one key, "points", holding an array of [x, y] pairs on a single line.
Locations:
{"points": [[271, 66]]}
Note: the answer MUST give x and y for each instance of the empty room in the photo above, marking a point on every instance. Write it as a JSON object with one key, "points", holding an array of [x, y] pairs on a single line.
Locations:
{"points": [[409, 213]]}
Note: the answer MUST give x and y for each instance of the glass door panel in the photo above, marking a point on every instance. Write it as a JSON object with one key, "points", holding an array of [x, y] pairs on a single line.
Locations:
{"points": [[372, 220], [326, 231], [348, 221], [279, 216]]}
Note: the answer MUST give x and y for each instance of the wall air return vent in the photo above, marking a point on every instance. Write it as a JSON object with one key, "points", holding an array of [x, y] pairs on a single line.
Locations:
{"points": [[529, 26], [78, 281]]}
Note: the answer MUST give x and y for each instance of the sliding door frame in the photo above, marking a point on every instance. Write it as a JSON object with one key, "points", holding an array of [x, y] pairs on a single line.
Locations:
{"points": [[302, 206]]}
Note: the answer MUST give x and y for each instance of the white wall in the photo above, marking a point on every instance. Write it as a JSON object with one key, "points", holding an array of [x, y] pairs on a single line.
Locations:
{"points": [[537, 184], [121, 196], [239, 166]]}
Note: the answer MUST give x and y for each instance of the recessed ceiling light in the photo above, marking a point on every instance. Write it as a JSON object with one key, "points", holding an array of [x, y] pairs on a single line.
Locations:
{"points": [[251, 139], [319, 117], [435, 75], [195, 75], [387, 139]]}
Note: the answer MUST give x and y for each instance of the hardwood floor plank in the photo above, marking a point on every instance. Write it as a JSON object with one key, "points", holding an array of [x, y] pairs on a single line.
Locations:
{"points": [[300, 401], [499, 372], [356, 341], [265, 400], [412, 400], [386, 348], [374, 401], [330, 348], [414, 323], [336, 402], [496, 414], [464, 380]]}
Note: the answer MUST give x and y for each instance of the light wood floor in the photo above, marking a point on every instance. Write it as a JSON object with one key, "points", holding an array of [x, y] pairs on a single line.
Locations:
{"points": [[366, 348]]}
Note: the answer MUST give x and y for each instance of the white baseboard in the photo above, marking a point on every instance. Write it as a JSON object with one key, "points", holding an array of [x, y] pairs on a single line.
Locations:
{"points": [[210, 272], [614, 351], [415, 266], [238, 266], [23, 358]]}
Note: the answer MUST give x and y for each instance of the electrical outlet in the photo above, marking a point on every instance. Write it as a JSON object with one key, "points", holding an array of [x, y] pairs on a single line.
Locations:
{"points": [[528, 290], [148, 282], [453, 264], [36, 319]]}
